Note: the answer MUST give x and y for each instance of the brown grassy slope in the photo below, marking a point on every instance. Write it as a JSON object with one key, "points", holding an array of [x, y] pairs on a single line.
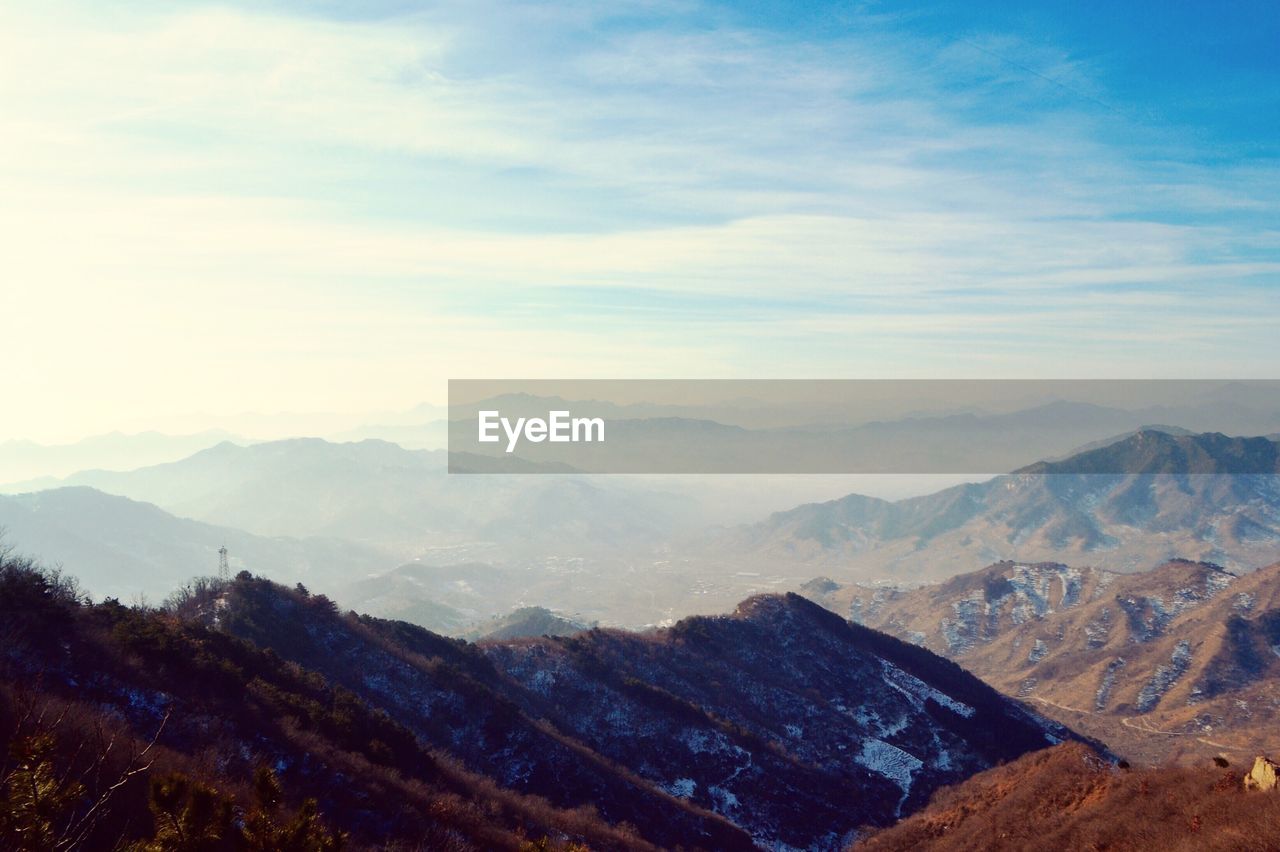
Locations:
{"points": [[1066, 798]]}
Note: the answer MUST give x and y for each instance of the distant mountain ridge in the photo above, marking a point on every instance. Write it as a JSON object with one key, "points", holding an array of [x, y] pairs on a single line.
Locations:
{"points": [[124, 547], [527, 622], [1153, 451], [377, 492], [581, 543], [1183, 499], [40, 464]]}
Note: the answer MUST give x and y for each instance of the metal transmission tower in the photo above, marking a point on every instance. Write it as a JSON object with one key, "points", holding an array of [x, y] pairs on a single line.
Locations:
{"points": [[224, 568]]}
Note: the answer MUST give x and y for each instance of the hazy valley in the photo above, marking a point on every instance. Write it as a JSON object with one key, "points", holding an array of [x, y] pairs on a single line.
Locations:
{"points": [[387, 530]]}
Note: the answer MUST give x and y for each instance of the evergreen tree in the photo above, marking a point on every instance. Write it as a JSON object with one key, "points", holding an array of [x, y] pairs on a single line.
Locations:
{"points": [[189, 817], [35, 803], [304, 832]]}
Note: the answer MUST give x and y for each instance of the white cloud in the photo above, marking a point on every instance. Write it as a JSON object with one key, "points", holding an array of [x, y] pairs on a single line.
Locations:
{"points": [[286, 212]]}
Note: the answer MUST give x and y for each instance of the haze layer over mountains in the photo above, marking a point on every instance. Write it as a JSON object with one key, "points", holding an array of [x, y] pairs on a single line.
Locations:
{"points": [[385, 529]]}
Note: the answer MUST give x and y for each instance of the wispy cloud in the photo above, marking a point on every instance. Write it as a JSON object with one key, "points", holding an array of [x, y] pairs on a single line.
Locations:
{"points": [[223, 201]]}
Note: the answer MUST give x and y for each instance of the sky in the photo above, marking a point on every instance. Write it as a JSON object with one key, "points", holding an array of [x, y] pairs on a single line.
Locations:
{"points": [[207, 210]]}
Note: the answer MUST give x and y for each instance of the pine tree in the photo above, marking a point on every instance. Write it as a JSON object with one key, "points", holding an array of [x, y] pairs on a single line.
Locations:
{"points": [[35, 803], [303, 833], [189, 817]]}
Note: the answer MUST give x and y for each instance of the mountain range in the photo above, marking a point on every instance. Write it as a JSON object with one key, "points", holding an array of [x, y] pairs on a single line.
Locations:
{"points": [[779, 726], [41, 464], [378, 493], [1054, 511], [123, 548], [386, 530], [1178, 662]]}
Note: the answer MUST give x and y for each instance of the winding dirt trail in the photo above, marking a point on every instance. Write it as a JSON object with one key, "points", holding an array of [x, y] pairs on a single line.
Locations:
{"points": [[1142, 725]]}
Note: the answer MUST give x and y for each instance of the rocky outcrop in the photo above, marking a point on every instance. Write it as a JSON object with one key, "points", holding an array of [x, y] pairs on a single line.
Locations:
{"points": [[1263, 775]]}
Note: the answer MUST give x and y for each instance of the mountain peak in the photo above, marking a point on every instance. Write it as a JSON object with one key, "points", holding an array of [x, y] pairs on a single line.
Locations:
{"points": [[775, 609], [1151, 451]]}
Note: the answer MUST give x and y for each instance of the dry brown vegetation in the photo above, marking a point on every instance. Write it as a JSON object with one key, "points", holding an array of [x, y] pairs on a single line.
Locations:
{"points": [[85, 689], [1090, 658], [1066, 797]]}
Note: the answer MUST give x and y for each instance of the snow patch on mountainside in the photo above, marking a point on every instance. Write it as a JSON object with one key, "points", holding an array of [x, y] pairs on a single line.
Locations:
{"points": [[1028, 593], [913, 687], [1103, 695], [1165, 677], [890, 762], [682, 788]]}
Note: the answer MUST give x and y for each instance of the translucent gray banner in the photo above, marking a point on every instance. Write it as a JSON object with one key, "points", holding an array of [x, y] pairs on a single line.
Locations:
{"points": [[864, 426]]}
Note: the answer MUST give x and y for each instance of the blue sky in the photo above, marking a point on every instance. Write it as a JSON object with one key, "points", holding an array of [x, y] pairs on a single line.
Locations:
{"points": [[337, 207]]}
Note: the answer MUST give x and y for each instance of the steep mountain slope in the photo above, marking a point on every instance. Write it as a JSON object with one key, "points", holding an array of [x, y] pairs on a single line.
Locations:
{"points": [[1067, 798], [121, 547], [779, 696], [1060, 511], [1179, 659], [782, 719]]}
